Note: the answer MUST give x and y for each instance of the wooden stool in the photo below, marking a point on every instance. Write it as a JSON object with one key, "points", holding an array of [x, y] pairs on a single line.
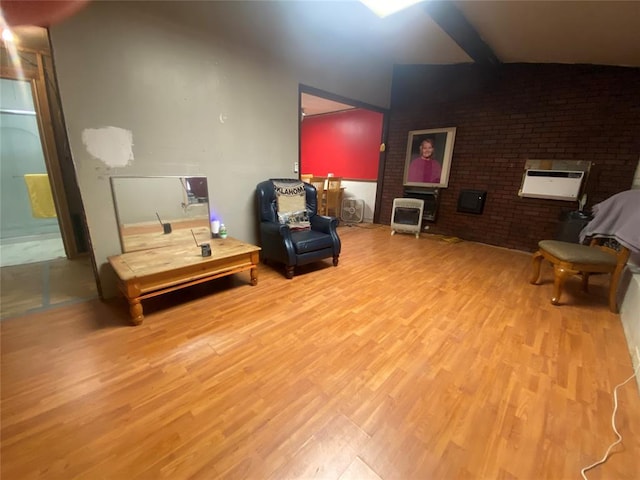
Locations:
{"points": [[572, 258]]}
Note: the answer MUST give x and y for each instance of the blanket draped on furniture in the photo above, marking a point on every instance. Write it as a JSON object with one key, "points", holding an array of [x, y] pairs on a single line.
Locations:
{"points": [[292, 209], [617, 217]]}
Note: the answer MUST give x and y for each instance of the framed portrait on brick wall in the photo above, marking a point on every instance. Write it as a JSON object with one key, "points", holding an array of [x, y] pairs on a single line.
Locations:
{"points": [[428, 158]]}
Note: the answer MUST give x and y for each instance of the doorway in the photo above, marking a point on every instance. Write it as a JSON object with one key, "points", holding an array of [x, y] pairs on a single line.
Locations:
{"points": [[344, 138], [45, 258], [29, 229]]}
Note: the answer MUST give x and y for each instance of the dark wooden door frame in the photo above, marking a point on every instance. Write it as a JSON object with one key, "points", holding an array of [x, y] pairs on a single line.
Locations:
{"points": [[358, 104]]}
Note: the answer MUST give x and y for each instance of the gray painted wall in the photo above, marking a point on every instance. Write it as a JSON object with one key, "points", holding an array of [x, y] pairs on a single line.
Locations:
{"points": [[214, 96]]}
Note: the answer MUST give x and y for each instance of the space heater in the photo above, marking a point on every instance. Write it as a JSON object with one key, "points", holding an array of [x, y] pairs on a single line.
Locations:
{"points": [[406, 216]]}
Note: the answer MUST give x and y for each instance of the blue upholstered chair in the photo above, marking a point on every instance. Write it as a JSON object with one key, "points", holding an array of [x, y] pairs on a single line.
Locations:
{"points": [[292, 247]]}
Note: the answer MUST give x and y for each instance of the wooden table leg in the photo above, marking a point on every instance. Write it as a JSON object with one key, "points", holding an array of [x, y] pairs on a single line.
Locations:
{"points": [[255, 258], [132, 292], [135, 309]]}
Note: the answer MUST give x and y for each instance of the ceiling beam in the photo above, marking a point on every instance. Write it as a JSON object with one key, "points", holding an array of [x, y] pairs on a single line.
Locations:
{"points": [[454, 24]]}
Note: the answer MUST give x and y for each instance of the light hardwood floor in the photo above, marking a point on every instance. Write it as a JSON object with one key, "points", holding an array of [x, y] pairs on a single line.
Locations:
{"points": [[413, 359], [39, 286]]}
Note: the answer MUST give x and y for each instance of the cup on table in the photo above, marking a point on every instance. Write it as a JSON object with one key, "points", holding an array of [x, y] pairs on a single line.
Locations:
{"points": [[215, 227]]}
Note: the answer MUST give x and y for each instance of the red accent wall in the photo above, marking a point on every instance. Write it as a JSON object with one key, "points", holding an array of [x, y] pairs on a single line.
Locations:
{"points": [[346, 144], [504, 116]]}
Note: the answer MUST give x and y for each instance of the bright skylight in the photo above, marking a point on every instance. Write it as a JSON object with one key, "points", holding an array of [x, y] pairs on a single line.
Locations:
{"points": [[383, 8], [7, 35]]}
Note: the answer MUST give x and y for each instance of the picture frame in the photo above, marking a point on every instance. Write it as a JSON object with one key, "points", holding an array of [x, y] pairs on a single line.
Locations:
{"points": [[423, 172]]}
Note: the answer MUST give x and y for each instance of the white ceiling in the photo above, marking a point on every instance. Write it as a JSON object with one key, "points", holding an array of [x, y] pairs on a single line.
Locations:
{"points": [[594, 32], [603, 32], [574, 32], [312, 105]]}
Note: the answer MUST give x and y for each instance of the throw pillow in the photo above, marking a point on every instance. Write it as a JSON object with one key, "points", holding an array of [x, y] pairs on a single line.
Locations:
{"points": [[292, 207]]}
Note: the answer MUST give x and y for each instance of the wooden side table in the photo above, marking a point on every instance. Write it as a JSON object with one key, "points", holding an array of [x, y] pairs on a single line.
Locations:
{"points": [[148, 273]]}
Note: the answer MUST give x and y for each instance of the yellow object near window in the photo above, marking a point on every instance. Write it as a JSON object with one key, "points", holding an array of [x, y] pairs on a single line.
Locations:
{"points": [[40, 196]]}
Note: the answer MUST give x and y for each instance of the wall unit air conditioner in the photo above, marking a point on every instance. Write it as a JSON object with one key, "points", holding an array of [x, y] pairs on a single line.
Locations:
{"points": [[553, 184]]}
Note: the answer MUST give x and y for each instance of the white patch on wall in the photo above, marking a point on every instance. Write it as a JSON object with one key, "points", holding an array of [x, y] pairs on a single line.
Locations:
{"points": [[111, 145]]}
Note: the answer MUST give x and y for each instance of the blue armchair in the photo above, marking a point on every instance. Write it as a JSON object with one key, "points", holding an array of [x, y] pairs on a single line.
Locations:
{"points": [[295, 247]]}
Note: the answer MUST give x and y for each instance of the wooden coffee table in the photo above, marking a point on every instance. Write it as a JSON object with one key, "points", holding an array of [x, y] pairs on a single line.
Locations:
{"points": [[149, 273]]}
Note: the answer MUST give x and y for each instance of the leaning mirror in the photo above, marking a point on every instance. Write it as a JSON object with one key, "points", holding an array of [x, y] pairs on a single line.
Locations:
{"points": [[156, 212]]}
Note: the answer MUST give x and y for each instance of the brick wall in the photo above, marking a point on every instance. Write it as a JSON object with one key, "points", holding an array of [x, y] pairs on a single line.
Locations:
{"points": [[505, 116]]}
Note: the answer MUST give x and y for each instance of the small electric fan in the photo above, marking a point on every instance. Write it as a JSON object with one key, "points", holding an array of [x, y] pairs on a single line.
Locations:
{"points": [[352, 210]]}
